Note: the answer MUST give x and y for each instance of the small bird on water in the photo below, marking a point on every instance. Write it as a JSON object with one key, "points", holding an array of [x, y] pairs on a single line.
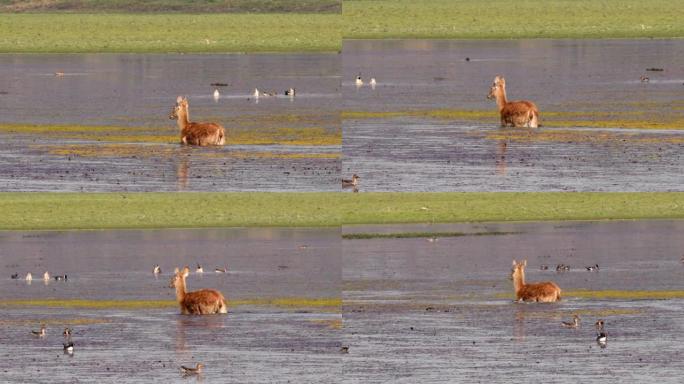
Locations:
{"points": [[42, 332], [346, 183], [156, 270], [572, 324], [199, 269], [601, 336], [192, 371]]}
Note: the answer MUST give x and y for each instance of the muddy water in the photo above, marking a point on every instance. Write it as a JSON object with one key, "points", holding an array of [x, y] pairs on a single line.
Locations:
{"points": [[137, 92], [438, 311], [432, 129], [255, 342]]}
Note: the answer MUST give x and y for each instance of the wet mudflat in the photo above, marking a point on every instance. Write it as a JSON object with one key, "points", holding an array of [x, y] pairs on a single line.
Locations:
{"points": [[427, 126], [282, 287], [102, 123], [435, 311]]}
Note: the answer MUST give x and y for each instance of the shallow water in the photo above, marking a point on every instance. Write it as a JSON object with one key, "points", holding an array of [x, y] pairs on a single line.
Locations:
{"points": [[137, 92], [437, 311], [589, 84], [295, 343]]}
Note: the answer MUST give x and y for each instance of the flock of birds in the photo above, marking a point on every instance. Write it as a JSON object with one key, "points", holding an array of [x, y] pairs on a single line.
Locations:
{"points": [[601, 335], [68, 344], [290, 92], [46, 277], [566, 268], [359, 82], [156, 270]]}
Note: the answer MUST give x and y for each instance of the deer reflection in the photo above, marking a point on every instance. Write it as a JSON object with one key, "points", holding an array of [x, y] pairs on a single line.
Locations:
{"points": [[182, 171], [519, 325], [501, 164], [198, 328]]}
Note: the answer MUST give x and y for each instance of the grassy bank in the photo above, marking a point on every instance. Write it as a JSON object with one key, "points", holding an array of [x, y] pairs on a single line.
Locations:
{"points": [[499, 19], [58, 211], [169, 33], [393, 208]]}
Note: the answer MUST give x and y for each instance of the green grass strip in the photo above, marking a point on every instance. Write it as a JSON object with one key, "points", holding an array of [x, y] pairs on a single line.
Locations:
{"points": [[63, 211], [503, 19], [169, 33]]}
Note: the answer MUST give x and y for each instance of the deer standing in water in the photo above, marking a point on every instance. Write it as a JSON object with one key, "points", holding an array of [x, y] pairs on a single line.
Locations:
{"points": [[202, 302], [517, 114], [546, 291], [201, 134]]}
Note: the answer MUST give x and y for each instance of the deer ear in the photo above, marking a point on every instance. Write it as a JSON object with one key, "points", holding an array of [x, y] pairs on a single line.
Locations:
{"points": [[524, 263]]}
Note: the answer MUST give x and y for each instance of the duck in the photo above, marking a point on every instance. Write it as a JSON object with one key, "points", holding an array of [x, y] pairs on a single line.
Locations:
{"points": [[59, 74], [359, 80], [572, 324], [543, 267], [593, 268], [601, 336], [644, 79], [29, 277], [60, 278], [192, 371], [46, 276], [373, 83], [216, 94], [156, 270], [562, 268], [256, 93], [220, 270], [199, 269], [67, 332], [291, 92], [344, 349], [432, 239], [351, 183], [42, 332], [14, 276], [68, 346]]}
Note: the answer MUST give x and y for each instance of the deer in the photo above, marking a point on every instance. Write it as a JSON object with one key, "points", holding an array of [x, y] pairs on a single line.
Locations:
{"points": [[546, 291], [201, 134], [518, 114], [202, 302]]}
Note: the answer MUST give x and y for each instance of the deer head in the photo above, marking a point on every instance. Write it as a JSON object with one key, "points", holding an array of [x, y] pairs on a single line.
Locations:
{"points": [[180, 107], [518, 269], [178, 277], [497, 87]]}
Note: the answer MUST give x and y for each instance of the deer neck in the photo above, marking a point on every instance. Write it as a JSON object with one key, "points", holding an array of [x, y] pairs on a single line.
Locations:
{"points": [[501, 99], [183, 118], [180, 290], [518, 281]]}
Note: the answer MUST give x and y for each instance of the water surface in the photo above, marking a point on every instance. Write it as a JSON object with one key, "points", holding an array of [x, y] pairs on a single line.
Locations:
{"points": [[421, 311]]}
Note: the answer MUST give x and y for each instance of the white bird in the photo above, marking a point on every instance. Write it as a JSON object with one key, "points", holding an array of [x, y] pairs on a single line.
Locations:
{"points": [[199, 269], [216, 94], [373, 82], [29, 277], [359, 81], [256, 93], [46, 276], [157, 269]]}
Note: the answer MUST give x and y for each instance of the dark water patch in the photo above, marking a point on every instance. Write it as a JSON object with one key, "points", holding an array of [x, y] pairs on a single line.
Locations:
{"points": [[432, 236]]}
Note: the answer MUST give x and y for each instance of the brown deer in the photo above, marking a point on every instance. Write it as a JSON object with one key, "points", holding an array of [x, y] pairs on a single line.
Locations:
{"points": [[201, 134], [517, 114], [546, 291], [202, 302]]}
